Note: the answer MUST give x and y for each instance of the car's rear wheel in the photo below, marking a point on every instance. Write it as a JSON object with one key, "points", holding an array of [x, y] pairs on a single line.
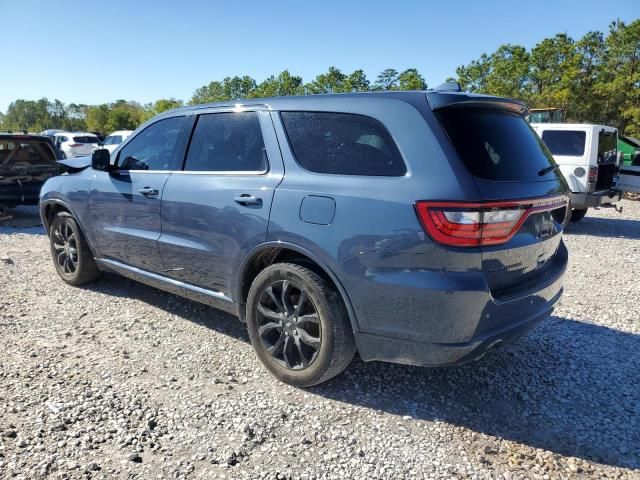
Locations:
{"points": [[298, 325], [578, 214], [72, 256]]}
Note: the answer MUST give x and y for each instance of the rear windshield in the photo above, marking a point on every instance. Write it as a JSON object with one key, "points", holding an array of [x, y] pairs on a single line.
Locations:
{"points": [[496, 145], [30, 153], [565, 142], [87, 139]]}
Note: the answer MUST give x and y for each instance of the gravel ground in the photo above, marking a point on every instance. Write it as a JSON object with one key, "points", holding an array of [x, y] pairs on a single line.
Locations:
{"points": [[119, 380]]}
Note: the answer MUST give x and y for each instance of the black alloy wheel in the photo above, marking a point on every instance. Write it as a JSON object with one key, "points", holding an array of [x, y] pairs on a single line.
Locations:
{"points": [[289, 325]]}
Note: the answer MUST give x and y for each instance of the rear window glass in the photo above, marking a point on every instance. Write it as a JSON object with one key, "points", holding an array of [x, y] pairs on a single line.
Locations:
{"points": [[565, 142], [496, 145], [342, 143], [227, 142], [607, 147], [86, 139]]}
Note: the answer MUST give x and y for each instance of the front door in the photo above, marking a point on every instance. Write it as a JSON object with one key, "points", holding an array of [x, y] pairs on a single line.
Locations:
{"points": [[125, 203], [217, 208]]}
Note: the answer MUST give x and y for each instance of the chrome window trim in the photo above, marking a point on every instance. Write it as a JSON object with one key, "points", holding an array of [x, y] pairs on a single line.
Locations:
{"points": [[222, 172], [199, 172]]}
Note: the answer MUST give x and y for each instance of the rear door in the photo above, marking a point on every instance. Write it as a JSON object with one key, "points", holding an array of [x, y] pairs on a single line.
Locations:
{"points": [[217, 208], [508, 161], [125, 204]]}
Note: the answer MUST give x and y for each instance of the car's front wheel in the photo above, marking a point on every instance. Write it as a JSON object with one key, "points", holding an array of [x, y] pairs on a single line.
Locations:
{"points": [[298, 325], [72, 256]]}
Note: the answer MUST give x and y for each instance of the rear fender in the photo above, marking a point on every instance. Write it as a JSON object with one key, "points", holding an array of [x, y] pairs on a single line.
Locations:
{"points": [[237, 288]]}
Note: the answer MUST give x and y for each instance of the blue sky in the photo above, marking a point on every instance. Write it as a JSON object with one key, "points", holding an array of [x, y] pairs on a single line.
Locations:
{"points": [[144, 50]]}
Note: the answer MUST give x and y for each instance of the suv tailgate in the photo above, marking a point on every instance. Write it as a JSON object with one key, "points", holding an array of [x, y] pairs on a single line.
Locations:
{"points": [[509, 162]]}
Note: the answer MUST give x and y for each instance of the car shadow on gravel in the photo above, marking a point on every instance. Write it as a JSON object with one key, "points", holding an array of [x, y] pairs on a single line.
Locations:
{"points": [[22, 220], [222, 322], [568, 387], [605, 227]]}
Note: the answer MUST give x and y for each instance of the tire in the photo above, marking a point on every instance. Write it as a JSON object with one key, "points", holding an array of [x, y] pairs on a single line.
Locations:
{"points": [[300, 353], [71, 255], [634, 197], [578, 214]]}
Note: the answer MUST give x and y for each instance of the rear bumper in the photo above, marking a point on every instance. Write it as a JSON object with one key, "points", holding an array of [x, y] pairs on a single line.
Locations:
{"points": [[372, 347], [581, 201], [454, 320]]}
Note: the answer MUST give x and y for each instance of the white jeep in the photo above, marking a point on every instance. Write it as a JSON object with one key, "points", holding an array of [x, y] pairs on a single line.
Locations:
{"points": [[588, 158]]}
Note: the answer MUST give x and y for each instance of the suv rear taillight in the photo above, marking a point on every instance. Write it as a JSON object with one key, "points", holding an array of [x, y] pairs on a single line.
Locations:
{"points": [[75, 145], [471, 224], [592, 179]]}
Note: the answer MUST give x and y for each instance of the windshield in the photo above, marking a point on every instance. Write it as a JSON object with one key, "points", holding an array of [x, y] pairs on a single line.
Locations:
{"points": [[497, 145], [26, 152]]}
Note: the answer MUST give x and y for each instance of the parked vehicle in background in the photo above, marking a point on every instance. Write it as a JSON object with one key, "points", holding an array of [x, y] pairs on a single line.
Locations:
{"points": [[100, 136], [116, 138], [76, 144], [545, 115], [26, 162], [421, 228], [630, 149], [51, 133], [587, 157]]}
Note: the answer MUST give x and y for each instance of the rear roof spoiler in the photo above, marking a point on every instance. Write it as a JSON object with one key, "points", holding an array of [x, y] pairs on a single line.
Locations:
{"points": [[439, 99]]}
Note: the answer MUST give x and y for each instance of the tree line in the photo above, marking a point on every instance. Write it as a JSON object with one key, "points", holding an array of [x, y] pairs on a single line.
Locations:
{"points": [[43, 114], [595, 79]]}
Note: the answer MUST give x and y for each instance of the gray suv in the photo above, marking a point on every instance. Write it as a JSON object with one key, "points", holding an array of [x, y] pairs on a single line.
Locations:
{"points": [[421, 228]]}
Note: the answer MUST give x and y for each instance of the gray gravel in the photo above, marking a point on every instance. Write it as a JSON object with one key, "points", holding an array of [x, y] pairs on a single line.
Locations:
{"points": [[119, 380]]}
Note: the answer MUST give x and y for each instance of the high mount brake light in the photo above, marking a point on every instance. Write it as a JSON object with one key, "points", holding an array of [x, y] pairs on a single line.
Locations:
{"points": [[472, 224]]}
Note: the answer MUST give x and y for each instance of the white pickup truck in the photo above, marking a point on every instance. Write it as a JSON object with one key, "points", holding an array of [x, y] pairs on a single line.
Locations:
{"points": [[587, 156]]}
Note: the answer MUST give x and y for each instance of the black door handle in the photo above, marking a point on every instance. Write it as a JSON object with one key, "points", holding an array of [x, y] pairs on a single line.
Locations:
{"points": [[149, 192], [248, 200]]}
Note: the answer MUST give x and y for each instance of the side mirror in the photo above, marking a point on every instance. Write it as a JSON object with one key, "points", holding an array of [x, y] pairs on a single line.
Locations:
{"points": [[101, 160]]}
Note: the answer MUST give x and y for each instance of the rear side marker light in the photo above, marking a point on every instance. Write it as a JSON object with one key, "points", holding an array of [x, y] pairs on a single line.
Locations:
{"points": [[466, 224]]}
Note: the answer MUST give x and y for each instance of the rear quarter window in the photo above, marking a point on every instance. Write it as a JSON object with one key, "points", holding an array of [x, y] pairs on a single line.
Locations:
{"points": [[565, 142], [497, 145], [343, 144]]}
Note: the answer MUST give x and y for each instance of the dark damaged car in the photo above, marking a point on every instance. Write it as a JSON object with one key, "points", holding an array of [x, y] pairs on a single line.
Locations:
{"points": [[26, 162]]}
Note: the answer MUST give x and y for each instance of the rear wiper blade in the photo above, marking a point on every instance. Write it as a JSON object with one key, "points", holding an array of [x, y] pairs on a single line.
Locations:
{"points": [[548, 169]]}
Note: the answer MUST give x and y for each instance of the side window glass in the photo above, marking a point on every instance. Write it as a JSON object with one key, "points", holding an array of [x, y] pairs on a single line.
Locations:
{"points": [[342, 143], [227, 142], [154, 147]]}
